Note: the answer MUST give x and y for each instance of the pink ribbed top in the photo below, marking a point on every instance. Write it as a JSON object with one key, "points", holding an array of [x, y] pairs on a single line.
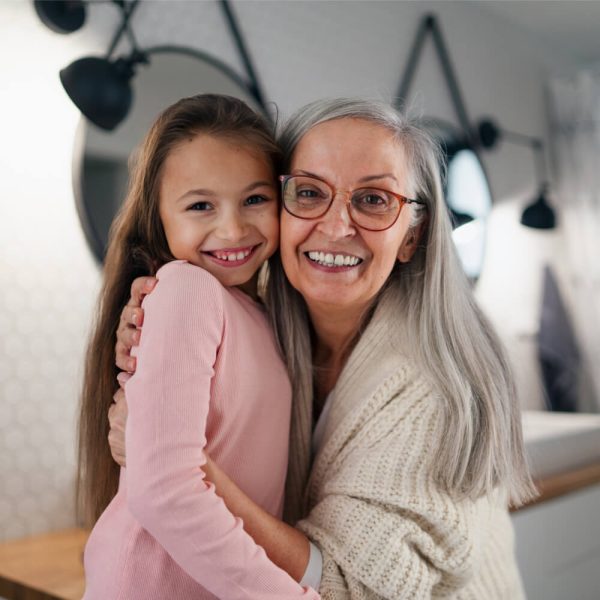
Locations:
{"points": [[208, 377]]}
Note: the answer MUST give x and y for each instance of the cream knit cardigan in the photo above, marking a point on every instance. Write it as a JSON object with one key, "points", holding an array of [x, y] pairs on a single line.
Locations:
{"points": [[384, 527]]}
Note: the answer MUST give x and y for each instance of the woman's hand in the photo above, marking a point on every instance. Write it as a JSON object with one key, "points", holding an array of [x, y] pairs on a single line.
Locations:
{"points": [[132, 317], [117, 417]]}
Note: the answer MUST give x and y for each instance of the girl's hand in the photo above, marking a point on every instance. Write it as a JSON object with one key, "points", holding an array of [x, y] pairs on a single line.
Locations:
{"points": [[132, 317], [117, 417]]}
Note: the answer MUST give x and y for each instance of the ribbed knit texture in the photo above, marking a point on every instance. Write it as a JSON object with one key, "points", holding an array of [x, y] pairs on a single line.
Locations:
{"points": [[385, 528], [208, 376]]}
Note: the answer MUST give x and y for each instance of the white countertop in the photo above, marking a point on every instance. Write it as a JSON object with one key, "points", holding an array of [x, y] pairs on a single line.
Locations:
{"points": [[559, 442]]}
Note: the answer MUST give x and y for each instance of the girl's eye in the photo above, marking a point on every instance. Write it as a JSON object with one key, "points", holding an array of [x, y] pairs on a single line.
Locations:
{"points": [[200, 206], [256, 200]]}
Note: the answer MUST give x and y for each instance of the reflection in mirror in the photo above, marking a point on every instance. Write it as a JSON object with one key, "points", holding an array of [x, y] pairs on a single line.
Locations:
{"points": [[101, 157], [467, 193]]}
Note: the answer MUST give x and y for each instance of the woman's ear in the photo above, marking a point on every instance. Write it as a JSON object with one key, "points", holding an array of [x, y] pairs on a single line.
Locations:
{"points": [[411, 241]]}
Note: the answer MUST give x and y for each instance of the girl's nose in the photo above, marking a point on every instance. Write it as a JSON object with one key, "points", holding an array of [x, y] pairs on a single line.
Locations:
{"points": [[336, 222], [232, 227]]}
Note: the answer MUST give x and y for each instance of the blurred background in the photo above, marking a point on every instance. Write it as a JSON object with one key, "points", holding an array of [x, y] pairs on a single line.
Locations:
{"points": [[512, 89]]}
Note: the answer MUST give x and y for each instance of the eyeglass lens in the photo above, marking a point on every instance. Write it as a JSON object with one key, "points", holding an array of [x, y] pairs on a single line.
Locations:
{"points": [[310, 198]]}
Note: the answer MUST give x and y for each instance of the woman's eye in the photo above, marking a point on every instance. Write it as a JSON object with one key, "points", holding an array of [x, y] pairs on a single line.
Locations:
{"points": [[373, 201], [255, 200], [307, 193], [200, 206]]}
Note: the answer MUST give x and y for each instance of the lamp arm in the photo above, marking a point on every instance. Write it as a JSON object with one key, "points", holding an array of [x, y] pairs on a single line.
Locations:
{"points": [[127, 12], [537, 147], [243, 51]]}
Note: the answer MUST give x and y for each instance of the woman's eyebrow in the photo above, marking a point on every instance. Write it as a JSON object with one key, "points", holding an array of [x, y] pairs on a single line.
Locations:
{"points": [[307, 173], [380, 176]]}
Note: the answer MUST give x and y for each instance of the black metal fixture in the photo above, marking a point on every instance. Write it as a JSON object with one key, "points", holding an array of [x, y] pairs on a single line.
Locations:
{"points": [[454, 139], [62, 16], [538, 214], [101, 87]]}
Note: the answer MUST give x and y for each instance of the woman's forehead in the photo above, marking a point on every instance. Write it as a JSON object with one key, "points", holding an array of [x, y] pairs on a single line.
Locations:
{"points": [[349, 146]]}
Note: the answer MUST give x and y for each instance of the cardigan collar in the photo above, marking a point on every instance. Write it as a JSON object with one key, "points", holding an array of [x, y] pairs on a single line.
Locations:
{"points": [[378, 360]]}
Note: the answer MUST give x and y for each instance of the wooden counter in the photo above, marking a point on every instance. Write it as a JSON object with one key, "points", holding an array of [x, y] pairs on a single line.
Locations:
{"points": [[43, 567]]}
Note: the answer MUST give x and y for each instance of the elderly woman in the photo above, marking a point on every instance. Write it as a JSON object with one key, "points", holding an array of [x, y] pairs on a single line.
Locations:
{"points": [[406, 445]]}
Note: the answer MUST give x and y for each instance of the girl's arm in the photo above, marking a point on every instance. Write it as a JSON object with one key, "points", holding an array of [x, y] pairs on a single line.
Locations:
{"points": [[168, 400]]}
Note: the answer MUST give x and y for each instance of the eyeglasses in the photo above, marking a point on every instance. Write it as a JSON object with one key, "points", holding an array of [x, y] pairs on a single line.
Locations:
{"points": [[370, 208]]}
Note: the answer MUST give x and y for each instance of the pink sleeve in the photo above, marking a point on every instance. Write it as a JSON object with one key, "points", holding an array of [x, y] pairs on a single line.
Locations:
{"points": [[168, 399]]}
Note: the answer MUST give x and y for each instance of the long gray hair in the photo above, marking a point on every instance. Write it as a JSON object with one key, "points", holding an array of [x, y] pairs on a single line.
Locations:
{"points": [[454, 343]]}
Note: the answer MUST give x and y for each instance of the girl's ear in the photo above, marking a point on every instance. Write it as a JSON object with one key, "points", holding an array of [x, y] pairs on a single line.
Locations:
{"points": [[411, 241]]}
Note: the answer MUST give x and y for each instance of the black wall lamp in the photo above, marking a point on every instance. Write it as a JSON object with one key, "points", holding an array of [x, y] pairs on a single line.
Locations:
{"points": [[539, 214], [486, 134], [101, 86]]}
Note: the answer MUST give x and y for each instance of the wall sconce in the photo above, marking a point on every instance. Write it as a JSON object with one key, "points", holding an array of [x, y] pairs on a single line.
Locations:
{"points": [[539, 214], [101, 87]]}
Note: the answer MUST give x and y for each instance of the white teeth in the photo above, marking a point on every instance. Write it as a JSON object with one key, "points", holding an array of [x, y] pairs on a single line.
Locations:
{"points": [[232, 256], [331, 260]]}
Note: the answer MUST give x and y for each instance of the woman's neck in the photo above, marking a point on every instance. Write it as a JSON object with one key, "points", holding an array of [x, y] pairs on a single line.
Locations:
{"points": [[335, 334]]}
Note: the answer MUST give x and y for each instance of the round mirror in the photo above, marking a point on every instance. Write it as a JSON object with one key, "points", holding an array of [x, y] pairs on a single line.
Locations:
{"points": [[468, 196], [100, 172]]}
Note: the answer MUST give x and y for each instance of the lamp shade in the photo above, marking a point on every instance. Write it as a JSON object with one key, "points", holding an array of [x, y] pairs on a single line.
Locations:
{"points": [[539, 215], [61, 16], [100, 89]]}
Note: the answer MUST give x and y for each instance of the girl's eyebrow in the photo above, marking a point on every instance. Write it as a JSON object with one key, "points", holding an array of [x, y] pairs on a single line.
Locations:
{"points": [[212, 193], [196, 192], [257, 184]]}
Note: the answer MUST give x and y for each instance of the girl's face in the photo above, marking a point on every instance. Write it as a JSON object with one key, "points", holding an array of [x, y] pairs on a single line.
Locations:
{"points": [[219, 209], [349, 154]]}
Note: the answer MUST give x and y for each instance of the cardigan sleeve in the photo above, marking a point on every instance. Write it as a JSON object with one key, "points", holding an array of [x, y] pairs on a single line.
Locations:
{"points": [[168, 399], [384, 530]]}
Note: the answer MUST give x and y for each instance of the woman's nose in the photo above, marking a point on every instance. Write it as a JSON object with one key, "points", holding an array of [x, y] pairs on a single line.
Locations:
{"points": [[336, 222]]}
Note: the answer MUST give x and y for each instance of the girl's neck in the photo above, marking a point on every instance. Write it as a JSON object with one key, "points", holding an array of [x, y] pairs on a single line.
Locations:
{"points": [[250, 288]]}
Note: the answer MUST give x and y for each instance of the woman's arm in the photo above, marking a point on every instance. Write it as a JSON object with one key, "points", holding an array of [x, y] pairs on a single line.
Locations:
{"points": [[285, 545], [168, 400]]}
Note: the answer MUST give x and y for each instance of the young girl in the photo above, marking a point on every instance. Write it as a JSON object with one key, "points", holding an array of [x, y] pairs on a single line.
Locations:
{"points": [[201, 213]]}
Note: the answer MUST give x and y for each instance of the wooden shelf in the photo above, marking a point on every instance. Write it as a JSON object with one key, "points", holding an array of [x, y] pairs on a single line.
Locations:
{"points": [[561, 484], [43, 567]]}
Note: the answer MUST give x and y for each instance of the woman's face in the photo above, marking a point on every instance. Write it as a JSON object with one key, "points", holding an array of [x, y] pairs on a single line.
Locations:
{"points": [[348, 154]]}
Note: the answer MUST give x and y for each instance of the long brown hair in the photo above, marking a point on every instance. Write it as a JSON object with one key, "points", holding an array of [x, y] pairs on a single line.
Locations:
{"points": [[138, 246]]}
